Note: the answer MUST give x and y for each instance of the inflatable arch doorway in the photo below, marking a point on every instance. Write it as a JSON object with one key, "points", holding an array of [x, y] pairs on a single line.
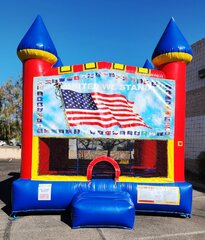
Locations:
{"points": [[103, 139]]}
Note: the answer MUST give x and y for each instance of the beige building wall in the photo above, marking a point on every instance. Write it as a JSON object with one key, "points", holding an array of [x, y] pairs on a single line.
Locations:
{"points": [[7, 152]]}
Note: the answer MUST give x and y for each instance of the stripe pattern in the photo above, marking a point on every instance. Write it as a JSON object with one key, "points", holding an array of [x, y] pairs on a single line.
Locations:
{"points": [[100, 109]]}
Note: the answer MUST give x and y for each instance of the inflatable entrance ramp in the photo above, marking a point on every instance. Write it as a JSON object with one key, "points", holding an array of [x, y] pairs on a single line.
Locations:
{"points": [[102, 209]]}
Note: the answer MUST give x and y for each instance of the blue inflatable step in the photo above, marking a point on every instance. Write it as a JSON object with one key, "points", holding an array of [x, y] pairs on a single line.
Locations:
{"points": [[102, 209]]}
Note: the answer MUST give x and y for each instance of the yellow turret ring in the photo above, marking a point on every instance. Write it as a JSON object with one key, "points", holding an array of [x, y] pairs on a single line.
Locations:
{"points": [[35, 53], [171, 57]]}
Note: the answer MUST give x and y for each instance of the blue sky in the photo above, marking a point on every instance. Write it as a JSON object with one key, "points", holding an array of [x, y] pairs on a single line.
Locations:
{"points": [[121, 31]]}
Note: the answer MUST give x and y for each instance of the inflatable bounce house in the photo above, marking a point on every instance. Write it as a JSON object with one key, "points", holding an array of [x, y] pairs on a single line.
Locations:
{"points": [[103, 141]]}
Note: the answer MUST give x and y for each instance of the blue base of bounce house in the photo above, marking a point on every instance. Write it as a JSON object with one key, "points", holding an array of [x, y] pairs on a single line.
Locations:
{"points": [[76, 196]]}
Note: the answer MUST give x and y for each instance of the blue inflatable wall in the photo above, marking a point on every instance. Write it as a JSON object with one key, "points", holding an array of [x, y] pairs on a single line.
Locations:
{"points": [[25, 195]]}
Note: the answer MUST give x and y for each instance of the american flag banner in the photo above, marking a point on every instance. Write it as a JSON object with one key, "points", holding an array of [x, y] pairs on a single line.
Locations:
{"points": [[100, 109]]}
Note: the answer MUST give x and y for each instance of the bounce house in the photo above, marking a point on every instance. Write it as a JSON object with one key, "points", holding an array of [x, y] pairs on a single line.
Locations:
{"points": [[103, 141]]}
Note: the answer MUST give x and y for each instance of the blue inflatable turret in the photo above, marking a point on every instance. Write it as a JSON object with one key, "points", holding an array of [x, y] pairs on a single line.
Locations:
{"points": [[37, 43], [148, 65], [172, 47]]}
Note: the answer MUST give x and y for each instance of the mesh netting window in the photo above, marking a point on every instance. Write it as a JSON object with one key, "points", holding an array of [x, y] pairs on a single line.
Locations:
{"points": [[60, 156]]}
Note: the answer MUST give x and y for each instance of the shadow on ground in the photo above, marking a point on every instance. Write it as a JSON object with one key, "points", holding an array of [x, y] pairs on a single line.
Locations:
{"points": [[5, 197], [5, 191], [197, 183]]}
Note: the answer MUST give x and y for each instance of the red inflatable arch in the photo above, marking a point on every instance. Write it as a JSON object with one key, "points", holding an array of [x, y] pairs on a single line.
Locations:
{"points": [[103, 159]]}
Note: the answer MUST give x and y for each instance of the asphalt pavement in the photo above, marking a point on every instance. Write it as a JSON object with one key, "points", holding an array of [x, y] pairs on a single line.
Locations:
{"points": [[57, 226]]}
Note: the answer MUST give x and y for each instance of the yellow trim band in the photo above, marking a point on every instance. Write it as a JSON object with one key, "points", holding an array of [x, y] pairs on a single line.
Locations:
{"points": [[90, 66], [61, 178], [170, 170], [172, 57], [65, 69], [118, 66], [36, 53], [145, 180], [143, 71], [170, 157], [35, 164], [35, 157], [36, 176]]}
